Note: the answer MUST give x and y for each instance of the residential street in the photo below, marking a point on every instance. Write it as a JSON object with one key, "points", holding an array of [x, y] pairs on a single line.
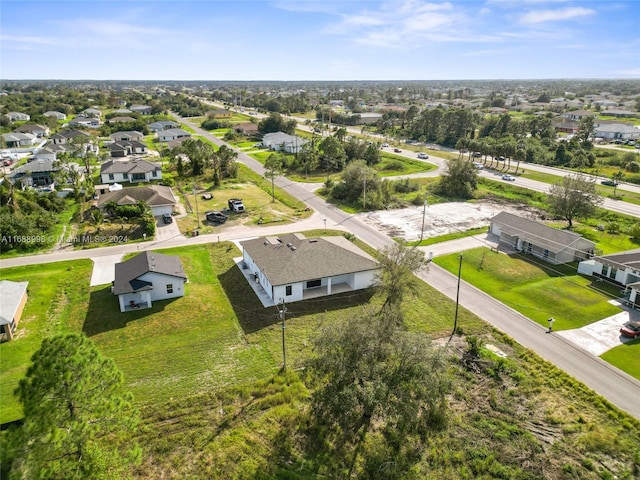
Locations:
{"points": [[618, 387]]}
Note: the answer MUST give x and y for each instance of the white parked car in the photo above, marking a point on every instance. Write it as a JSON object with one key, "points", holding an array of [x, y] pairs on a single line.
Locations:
{"points": [[384, 145], [423, 156]]}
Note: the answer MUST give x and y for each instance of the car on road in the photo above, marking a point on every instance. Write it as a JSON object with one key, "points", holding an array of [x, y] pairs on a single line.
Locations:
{"points": [[216, 217], [478, 165], [500, 158], [508, 178], [631, 329], [167, 218], [384, 145], [423, 156], [609, 183], [397, 150]]}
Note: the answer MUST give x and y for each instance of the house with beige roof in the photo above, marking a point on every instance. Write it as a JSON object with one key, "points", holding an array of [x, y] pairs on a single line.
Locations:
{"points": [[129, 171], [160, 198], [292, 268], [550, 244]]}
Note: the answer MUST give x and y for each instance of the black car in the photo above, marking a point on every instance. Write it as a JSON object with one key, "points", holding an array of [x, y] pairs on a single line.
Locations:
{"points": [[609, 183], [216, 217], [167, 218]]}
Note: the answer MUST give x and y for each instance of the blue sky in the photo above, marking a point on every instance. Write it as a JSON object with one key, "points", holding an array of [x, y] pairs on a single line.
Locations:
{"points": [[319, 40]]}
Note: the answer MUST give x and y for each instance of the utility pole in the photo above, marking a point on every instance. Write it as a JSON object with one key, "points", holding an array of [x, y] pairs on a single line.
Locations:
{"points": [[282, 314], [196, 199], [364, 193], [424, 213], [455, 320]]}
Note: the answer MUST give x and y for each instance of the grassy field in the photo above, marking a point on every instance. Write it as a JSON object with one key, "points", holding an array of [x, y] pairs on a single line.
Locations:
{"points": [[625, 357], [534, 288], [204, 370]]}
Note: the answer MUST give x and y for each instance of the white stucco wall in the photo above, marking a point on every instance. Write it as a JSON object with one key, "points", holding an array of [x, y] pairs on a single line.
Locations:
{"points": [[160, 283]]}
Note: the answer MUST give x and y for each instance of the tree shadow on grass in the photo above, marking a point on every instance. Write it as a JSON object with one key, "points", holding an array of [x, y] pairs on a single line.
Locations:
{"points": [[104, 315], [254, 317]]}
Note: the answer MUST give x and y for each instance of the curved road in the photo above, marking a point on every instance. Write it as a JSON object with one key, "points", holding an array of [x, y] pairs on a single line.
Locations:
{"points": [[619, 388]]}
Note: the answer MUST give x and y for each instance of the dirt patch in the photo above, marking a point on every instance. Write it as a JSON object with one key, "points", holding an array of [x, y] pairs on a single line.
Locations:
{"points": [[441, 218]]}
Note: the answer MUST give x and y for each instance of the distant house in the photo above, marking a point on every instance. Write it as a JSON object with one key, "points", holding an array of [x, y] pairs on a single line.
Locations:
{"points": [[86, 122], [39, 173], [294, 268], [124, 148], [577, 115], [160, 199], [91, 112], [248, 129], [129, 136], [121, 120], [280, 141], [367, 118], [620, 268], [148, 277], [18, 116], [46, 154], [162, 125], [534, 238], [566, 126], [619, 113], [617, 131], [141, 109], [17, 139], [56, 115], [172, 134], [13, 298], [66, 136], [33, 128], [130, 171]]}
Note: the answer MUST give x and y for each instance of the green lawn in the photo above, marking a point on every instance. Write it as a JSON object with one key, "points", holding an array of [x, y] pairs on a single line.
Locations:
{"points": [[625, 357], [534, 288]]}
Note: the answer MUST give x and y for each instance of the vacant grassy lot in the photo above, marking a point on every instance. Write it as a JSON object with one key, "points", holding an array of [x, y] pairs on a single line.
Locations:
{"points": [[533, 287], [58, 292], [625, 357]]}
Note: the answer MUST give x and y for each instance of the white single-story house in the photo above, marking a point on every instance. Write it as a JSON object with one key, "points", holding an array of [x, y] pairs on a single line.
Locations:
{"points": [[292, 268], [46, 154], [17, 139], [127, 136], [160, 198], [141, 109], [278, 141], [162, 125], [35, 129], [620, 268], [13, 298], [367, 118], [121, 119], [172, 134], [617, 131], [66, 136], [91, 112], [136, 170], [147, 277], [86, 122], [18, 116], [55, 114], [551, 244]]}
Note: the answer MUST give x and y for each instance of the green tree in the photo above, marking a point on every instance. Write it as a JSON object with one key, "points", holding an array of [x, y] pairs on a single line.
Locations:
{"points": [[273, 167], [78, 420], [396, 278], [200, 155], [224, 164], [371, 376], [574, 196], [460, 179]]}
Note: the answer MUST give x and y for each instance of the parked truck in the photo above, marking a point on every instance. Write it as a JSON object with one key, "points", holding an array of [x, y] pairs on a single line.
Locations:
{"points": [[236, 205]]}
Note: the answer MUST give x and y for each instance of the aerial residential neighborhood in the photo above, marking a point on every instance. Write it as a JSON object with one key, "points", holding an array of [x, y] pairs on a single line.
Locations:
{"points": [[303, 251]]}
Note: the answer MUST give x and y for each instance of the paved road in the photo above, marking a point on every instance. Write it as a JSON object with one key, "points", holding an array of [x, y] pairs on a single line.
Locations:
{"points": [[613, 384]]}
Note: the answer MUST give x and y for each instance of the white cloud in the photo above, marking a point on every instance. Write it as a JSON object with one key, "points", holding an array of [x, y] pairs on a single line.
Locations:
{"points": [[541, 16], [24, 41]]}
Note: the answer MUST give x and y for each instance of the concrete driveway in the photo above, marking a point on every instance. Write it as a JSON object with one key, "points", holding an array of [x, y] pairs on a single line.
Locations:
{"points": [[167, 231], [104, 269], [598, 337]]}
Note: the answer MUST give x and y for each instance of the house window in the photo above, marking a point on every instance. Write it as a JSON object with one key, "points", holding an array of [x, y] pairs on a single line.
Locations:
{"points": [[125, 176], [111, 177], [288, 290], [613, 273], [154, 173], [314, 283], [546, 253], [169, 287], [529, 247], [138, 176]]}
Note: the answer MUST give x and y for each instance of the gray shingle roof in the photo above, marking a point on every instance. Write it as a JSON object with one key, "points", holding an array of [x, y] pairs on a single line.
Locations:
{"points": [[629, 259], [128, 166], [152, 195], [128, 272], [296, 258], [539, 234]]}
